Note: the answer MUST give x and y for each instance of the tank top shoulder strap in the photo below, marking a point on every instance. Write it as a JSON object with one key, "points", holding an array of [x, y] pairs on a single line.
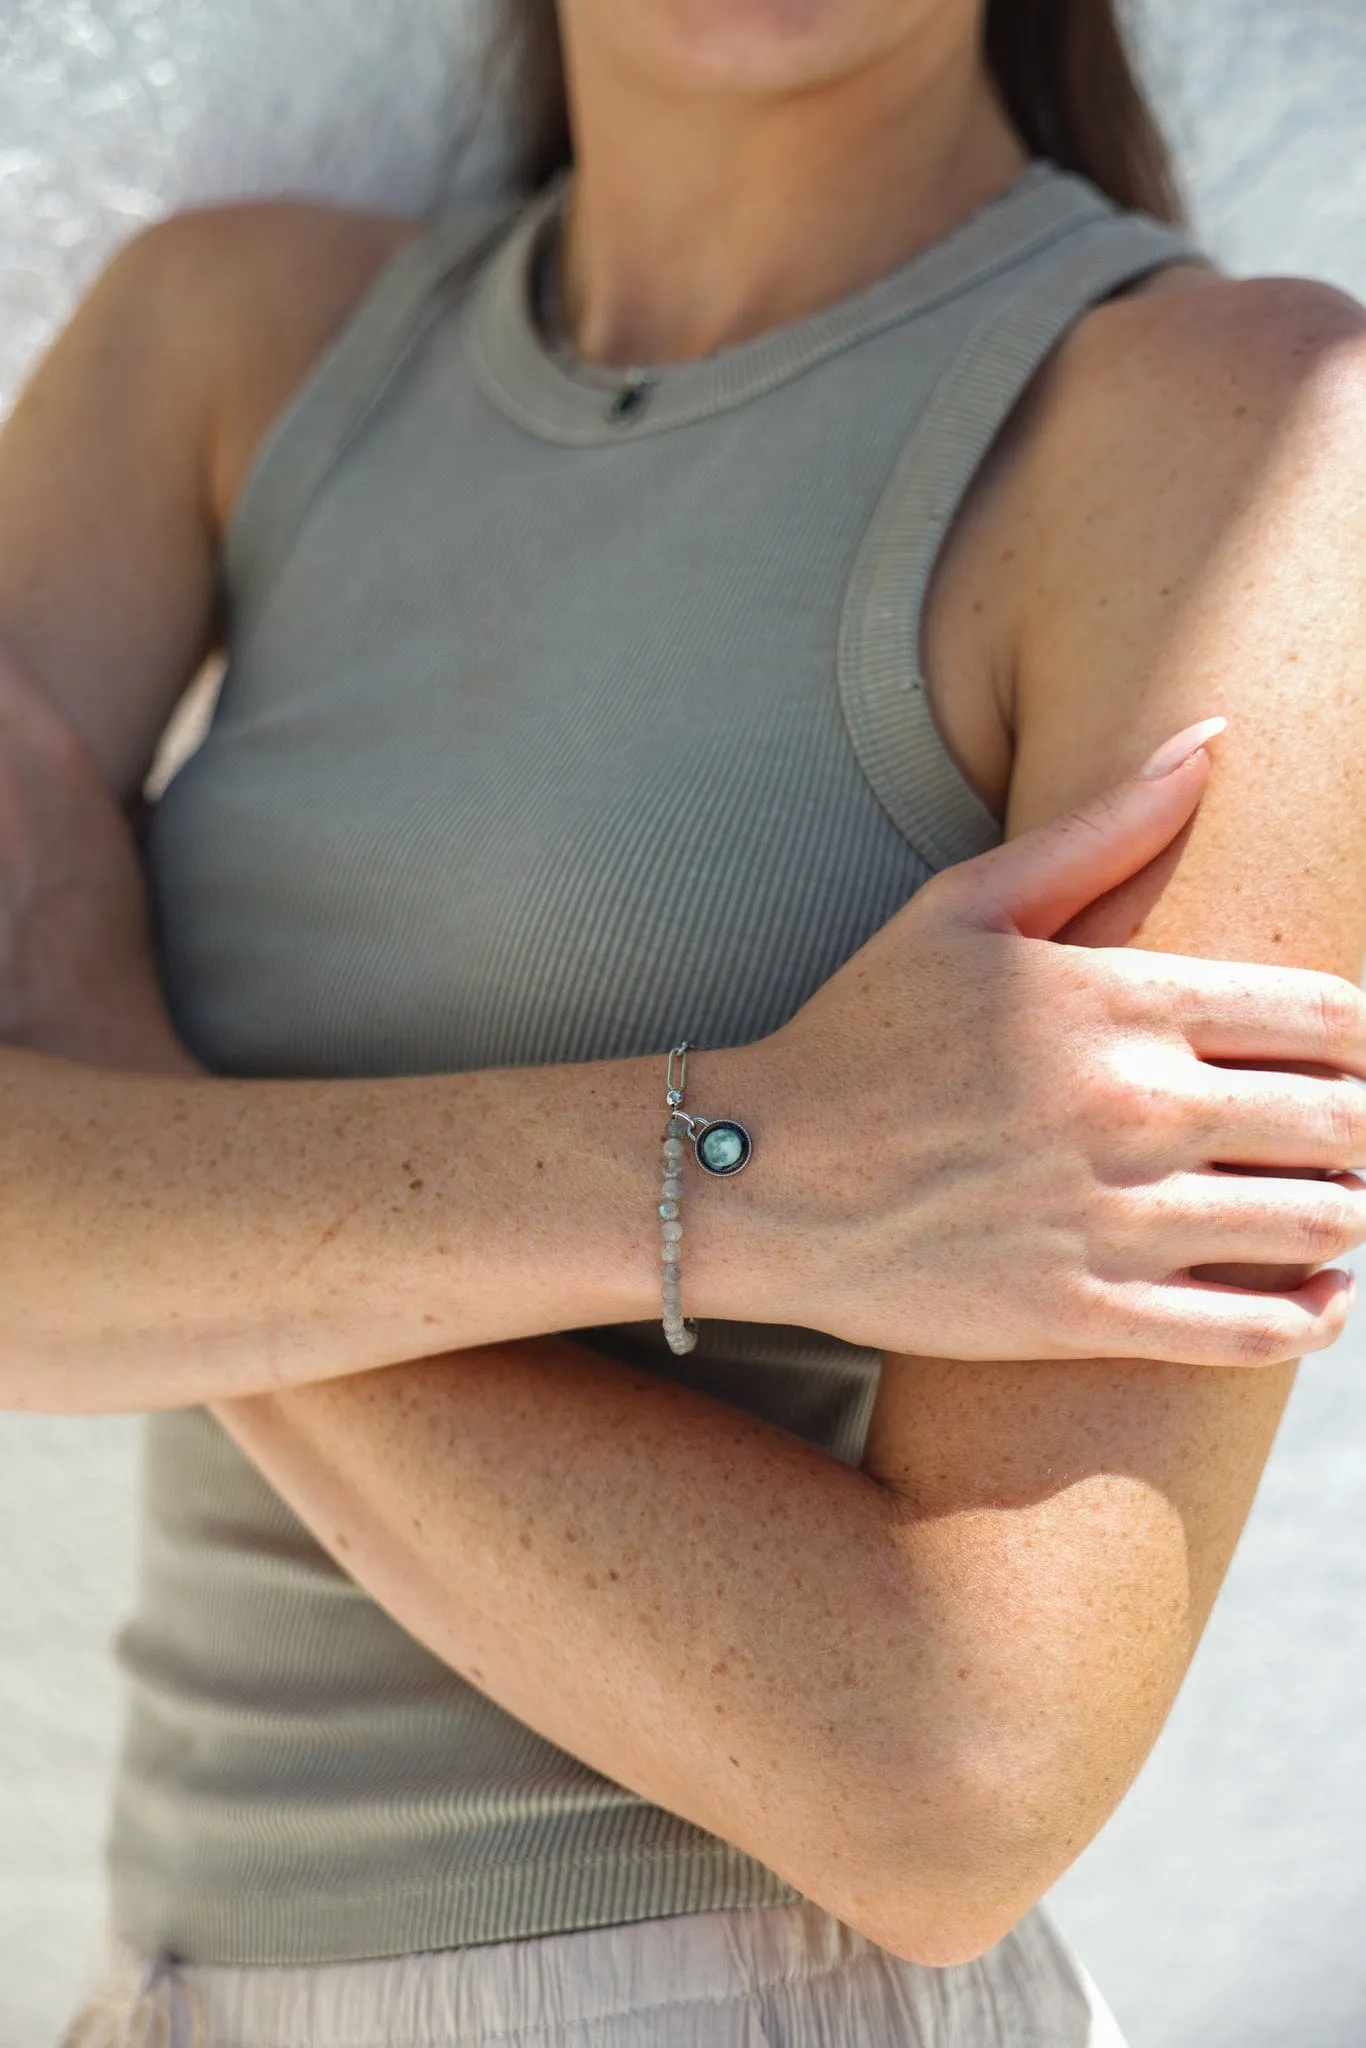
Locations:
{"points": [[410, 291], [882, 687]]}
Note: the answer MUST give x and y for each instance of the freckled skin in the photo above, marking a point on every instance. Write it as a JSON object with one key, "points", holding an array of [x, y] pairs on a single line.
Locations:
{"points": [[993, 1617], [941, 1670]]}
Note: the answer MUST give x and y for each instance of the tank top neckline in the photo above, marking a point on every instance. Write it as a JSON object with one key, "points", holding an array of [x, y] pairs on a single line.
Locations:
{"points": [[546, 392]]}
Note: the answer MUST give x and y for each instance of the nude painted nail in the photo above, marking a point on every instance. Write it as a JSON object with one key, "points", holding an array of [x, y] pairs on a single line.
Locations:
{"points": [[1174, 751]]}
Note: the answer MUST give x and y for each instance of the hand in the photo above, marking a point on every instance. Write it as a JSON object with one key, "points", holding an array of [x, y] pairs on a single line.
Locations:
{"points": [[77, 971], [996, 1148]]}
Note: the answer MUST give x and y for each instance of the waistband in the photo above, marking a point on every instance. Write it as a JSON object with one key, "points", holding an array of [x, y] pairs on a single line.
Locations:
{"points": [[775, 1977]]}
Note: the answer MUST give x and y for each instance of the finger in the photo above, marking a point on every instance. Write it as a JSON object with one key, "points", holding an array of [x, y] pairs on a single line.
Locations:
{"points": [[1198, 1322], [1247, 1118], [1037, 883], [1220, 1219], [1234, 1011]]}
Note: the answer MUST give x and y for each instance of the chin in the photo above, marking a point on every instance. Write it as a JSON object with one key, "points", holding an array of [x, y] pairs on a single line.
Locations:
{"points": [[766, 46]]}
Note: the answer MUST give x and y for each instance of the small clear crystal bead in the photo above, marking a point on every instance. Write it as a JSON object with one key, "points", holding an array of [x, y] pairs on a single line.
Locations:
{"points": [[668, 1210]]}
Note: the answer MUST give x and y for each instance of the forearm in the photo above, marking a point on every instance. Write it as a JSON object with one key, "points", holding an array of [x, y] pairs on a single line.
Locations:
{"points": [[171, 1238], [914, 1695], [695, 1603]]}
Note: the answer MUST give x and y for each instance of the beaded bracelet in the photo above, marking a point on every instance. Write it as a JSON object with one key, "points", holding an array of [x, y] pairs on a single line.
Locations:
{"points": [[720, 1147]]}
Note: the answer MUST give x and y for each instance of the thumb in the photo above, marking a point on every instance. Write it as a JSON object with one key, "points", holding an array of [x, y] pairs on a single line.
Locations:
{"points": [[1035, 884]]}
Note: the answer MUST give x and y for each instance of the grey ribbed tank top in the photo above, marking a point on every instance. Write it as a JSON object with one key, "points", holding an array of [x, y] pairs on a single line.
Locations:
{"points": [[554, 729]]}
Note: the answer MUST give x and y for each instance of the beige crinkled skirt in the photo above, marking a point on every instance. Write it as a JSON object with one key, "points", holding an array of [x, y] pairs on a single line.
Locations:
{"points": [[772, 1977]]}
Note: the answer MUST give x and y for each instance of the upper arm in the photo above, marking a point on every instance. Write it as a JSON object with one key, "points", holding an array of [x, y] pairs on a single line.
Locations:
{"points": [[118, 463], [1195, 495], [105, 541]]}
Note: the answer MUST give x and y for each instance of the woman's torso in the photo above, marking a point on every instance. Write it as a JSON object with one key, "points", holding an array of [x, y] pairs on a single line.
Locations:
{"points": [[546, 735]]}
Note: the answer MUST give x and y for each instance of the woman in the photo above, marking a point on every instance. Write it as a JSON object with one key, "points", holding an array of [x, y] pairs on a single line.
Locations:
{"points": [[575, 707]]}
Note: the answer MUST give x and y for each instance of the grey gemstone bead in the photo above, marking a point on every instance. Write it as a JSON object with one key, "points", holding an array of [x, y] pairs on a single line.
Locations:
{"points": [[668, 1252], [671, 1232], [671, 1189], [668, 1210], [673, 1148]]}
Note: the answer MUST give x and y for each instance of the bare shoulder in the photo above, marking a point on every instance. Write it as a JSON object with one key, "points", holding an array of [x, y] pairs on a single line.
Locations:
{"points": [[1185, 326], [1191, 512], [1167, 419], [1194, 402], [127, 446], [260, 288], [1188, 490]]}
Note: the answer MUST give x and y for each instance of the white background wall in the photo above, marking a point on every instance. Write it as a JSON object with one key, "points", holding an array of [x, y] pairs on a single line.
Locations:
{"points": [[1224, 1905]]}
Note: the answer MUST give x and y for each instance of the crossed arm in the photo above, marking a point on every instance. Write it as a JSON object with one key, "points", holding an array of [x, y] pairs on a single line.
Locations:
{"points": [[917, 1689]]}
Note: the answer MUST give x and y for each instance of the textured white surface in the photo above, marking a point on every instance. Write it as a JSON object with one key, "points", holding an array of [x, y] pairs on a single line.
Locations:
{"points": [[113, 112], [1266, 102], [1223, 1907]]}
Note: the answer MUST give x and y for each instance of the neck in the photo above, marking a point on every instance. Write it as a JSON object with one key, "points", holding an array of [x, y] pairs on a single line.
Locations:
{"points": [[699, 219]]}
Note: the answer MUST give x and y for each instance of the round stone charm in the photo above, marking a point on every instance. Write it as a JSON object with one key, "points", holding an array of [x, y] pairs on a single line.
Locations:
{"points": [[723, 1147]]}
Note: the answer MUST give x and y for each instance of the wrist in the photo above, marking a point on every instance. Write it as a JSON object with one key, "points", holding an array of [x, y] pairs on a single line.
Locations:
{"points": [[600, 1198], [743, 1234]]}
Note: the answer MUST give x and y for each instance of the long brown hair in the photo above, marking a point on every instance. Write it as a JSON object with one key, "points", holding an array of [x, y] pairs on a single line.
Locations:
{"points": [[1060, 67]]}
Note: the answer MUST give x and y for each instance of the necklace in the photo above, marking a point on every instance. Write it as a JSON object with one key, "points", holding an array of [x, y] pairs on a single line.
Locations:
{"points": [[627, 391]]}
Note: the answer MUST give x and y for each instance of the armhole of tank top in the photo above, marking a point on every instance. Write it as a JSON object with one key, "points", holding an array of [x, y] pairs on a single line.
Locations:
{"points": [[348, 379], [881, 682]]}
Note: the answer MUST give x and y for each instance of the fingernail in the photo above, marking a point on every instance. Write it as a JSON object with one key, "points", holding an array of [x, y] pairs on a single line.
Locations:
{"points": [[1174, 751]]}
